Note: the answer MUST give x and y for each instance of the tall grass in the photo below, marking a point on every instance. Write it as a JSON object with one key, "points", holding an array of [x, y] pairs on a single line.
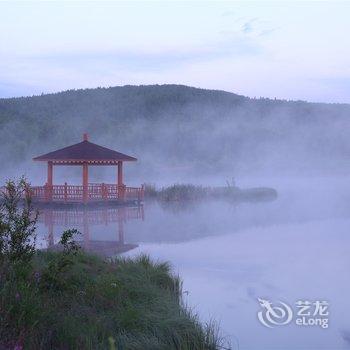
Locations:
{"points": [[189, 192], [180, 192], [131, 303]]}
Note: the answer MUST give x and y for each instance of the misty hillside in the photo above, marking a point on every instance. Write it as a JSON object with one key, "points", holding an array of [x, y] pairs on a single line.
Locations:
{"points": [[179, 129]]}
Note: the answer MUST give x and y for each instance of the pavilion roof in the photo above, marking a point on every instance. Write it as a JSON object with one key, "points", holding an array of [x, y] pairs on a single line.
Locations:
{"points": [[84, 151]]}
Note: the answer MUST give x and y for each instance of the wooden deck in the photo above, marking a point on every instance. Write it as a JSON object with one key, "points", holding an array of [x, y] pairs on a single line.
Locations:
{"points": [[93, 193]]}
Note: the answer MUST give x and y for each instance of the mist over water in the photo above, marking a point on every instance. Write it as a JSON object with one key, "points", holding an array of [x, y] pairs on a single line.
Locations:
{"points": [[230, 254]]}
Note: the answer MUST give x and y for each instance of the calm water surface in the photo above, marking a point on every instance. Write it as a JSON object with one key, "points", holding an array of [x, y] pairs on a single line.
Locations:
{"points": [[230, 254]]}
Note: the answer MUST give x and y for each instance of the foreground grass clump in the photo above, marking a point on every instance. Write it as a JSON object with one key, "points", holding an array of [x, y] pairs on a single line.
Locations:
{"points": [[94, 304], [68, 299]]}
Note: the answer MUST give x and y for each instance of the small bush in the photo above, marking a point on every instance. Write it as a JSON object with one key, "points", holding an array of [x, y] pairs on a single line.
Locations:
{"points": [[17, 223], [58, 265]]}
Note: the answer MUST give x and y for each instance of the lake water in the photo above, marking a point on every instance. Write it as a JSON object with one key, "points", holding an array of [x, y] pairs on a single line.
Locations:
{"points": [[295, 248]]}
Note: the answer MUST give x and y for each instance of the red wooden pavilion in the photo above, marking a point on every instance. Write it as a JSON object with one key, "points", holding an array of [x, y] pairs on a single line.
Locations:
{"points": [[86, 154]]}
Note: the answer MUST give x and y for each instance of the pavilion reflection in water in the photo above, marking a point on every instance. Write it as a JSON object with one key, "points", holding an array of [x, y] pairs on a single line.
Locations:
{"points": [[85, 218]]}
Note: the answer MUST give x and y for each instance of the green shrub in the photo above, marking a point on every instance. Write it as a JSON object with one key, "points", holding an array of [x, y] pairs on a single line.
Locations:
{"points": [[53, 274], [17, 223]]}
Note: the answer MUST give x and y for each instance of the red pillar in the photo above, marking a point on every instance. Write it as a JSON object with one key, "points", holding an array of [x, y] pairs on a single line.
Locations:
{"points": [[49, 173], [49, 182], [85, 182], [120, 173], [65, 192], [121, 187]]}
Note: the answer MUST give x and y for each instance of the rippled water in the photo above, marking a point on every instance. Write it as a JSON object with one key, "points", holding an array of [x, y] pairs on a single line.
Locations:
{"points": [[229, 255]]}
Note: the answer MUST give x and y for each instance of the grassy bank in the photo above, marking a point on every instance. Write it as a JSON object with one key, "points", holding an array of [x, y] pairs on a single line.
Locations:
{"points": [[68, 299], [94, 304]]}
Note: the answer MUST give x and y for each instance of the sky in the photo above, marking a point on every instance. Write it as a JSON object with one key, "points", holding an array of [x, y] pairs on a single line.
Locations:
{"points": [[294, 50]]}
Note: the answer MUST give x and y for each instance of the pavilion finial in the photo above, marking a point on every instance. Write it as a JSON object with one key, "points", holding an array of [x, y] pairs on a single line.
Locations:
{"points": [[85, 137]]}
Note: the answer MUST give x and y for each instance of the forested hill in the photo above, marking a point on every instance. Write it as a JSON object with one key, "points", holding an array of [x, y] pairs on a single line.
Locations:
{"points": [[179, 128]]}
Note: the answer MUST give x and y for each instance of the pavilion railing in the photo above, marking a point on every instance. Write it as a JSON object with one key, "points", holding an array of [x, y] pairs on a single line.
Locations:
{"points": [[93, 192]]}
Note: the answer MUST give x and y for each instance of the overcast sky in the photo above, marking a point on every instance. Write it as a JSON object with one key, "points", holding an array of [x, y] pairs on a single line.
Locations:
{"points": [[289, 50]]}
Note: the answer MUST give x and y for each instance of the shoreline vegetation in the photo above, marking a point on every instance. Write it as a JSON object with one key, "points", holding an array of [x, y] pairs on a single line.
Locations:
{"points": [[68, 299], [94, 304], [185, 192]]}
